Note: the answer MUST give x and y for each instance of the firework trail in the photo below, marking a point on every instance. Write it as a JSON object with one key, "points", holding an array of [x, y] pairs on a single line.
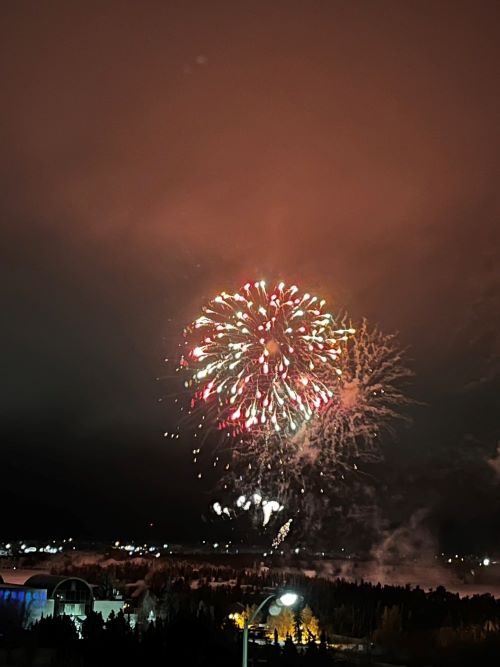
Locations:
{"points": [[282, 534]]}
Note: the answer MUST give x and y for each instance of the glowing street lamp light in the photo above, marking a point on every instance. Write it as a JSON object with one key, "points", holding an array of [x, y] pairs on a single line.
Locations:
{"points": [[287, 599]]}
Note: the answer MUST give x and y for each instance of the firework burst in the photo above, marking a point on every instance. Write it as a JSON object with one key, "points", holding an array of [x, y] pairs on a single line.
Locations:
{"points": [[369, 400], [264, 360], [301, 401]]}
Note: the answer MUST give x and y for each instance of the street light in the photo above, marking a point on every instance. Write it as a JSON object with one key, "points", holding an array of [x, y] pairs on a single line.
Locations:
{"points": [[287, 599]]}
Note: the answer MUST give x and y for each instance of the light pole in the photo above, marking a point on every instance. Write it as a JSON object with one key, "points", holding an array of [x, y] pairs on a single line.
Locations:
{"points": [[286, 599]]}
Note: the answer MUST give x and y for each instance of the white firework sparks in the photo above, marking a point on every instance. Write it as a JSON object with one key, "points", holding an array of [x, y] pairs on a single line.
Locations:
{"points": [[369, 400], [265, 359]]}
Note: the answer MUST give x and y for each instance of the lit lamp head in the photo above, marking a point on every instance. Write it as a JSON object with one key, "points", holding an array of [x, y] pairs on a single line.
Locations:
{"points": [[288, 599]]}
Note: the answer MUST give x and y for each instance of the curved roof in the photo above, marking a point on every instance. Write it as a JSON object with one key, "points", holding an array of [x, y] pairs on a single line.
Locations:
{"points": [[52, 581]]}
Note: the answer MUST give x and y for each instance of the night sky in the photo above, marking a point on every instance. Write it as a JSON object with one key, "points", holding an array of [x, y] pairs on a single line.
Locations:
{"points": [[154, 152]]}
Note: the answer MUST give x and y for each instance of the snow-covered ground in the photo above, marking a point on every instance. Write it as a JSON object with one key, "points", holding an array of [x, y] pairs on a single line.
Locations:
{"points": [[464, 581]]}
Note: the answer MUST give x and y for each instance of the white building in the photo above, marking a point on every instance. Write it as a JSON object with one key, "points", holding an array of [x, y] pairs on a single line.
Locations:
{"points": [[52, 595]]}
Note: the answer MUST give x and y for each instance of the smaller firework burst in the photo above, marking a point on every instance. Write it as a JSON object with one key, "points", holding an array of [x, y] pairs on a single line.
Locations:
{"points": [[264, 507], [369, 400], [282, 534]]}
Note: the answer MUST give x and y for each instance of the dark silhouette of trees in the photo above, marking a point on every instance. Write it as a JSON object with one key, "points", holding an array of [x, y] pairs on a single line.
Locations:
{"points": [[190, 604]]}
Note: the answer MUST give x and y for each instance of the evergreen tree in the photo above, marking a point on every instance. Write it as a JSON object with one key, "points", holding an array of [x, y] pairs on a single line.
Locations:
{"points": [[290, 655], [117, 627], [312, 654], [310, 623], [389, 632], [93, 626], [283, 623], [298, 629]]}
